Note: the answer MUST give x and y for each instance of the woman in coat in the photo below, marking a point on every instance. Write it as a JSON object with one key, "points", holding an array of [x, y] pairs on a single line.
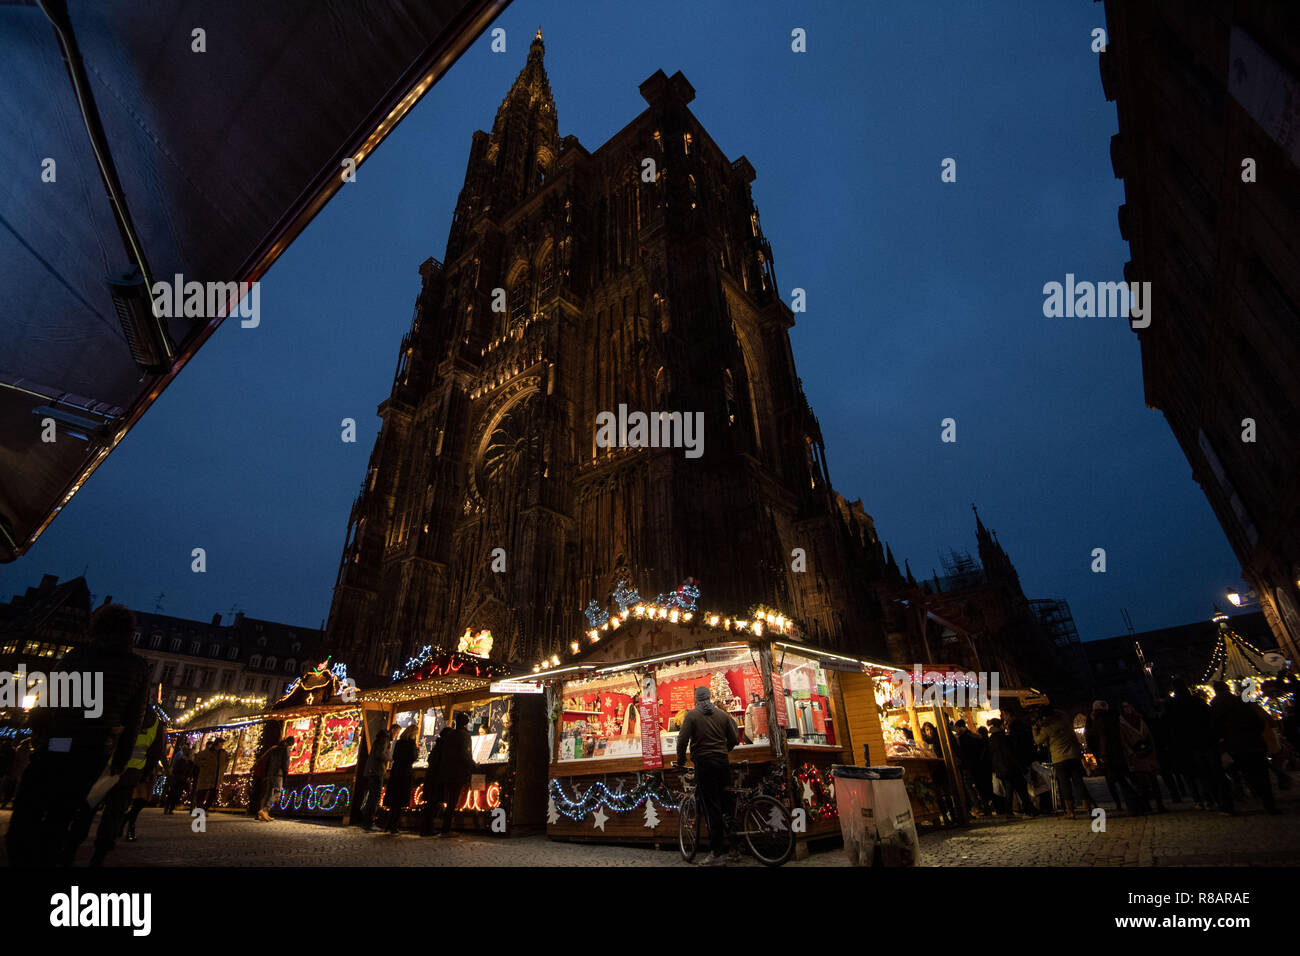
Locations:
{"points": [[1056, 732], [1140, 755], [401, 777]]}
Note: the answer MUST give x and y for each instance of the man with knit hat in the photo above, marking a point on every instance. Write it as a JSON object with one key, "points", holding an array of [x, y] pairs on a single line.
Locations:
{"points": [[710, 733]]}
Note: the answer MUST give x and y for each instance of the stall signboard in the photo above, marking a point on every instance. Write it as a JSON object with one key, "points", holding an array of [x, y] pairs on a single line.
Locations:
{"points": [[515, 687], [651, 756], [834, 664]]}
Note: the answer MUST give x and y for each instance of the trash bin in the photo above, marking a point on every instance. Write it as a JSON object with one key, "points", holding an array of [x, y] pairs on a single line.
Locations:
{"points": [[875, 816]]}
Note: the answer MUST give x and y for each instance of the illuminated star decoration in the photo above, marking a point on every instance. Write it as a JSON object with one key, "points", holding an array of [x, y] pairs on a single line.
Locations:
{"points": [[600, 818], [807, 792]]}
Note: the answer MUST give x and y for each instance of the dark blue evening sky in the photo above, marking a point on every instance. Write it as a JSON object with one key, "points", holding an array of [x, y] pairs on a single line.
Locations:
{"points": [[924, 302]]}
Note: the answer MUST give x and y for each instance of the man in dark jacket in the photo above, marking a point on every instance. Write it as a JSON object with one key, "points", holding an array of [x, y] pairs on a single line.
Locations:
{"points": [[1192, 725], [1240, 729], [400, 777], [451, 764], [709, 734], [975, 762], [1009, 769], [1102, 735], [275, 769], [74, 744]]}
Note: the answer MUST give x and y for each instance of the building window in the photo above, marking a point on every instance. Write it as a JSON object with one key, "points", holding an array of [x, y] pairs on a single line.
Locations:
{"points": [[255, 660], [135, 639], [167, 672], [270, 663], [214, 650], [234, 652], [227, 678], [187, 677], [155, 642], [266, 685], [181, 701], [195, 648], [291, 666], [175, 645], [248, 683]]}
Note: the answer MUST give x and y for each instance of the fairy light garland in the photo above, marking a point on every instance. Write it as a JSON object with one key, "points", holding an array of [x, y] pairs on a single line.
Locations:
{"points": [[598, 795]]}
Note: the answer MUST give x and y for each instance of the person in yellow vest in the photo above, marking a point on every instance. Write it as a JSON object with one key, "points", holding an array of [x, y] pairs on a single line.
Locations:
{"points": [[148, 742], [150, 764]]}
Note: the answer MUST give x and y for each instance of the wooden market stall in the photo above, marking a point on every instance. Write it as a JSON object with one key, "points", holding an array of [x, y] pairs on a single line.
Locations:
{"points": [[323, 715], [504, 718], [617, 706]]}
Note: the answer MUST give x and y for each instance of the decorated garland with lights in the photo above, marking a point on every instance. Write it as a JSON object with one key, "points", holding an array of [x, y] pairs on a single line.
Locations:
{"points": [[679, 607], [325, 797], [598, 796], [817, 792]]}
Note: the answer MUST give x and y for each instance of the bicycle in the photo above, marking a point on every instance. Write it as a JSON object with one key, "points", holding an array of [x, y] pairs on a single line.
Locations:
{"points": [[764, 820]]}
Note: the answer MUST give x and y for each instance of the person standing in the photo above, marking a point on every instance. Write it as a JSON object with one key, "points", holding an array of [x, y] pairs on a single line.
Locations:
{"points": [[1192, 727], [1056, 733], [709, 734], [274, 771], [400, 777], [373, 777], [143, 793], [1140, 756], [72, 748], [178, 776], [1105, 742], [1009, 769], [451, 765], [1240, 729], [975, 760]]}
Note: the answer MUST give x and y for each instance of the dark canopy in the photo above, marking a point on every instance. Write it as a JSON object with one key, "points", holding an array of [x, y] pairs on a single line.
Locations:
{"points": [[219, 159]]}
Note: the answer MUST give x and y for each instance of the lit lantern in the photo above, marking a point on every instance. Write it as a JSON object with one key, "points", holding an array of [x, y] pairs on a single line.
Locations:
{"points": [[713, 621], [573, 648], [593, 635], [687, 616], [672, 616]]}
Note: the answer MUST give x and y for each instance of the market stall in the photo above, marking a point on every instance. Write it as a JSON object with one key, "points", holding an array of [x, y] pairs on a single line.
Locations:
{"points": [[617, 705], [236, 722], [321, 712], [428, 692]]}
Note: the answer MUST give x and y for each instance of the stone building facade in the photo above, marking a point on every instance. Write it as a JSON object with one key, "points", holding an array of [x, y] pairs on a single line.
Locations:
{"points": [[577, 282], [1209, 151]]}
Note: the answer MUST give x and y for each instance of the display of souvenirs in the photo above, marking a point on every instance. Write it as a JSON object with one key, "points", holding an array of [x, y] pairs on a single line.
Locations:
{"points": [[340, 741], [303, 732], [246, 751]]}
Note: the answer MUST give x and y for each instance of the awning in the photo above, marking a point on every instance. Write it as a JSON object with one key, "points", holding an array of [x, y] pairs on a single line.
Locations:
{"points": [[195, 139]]}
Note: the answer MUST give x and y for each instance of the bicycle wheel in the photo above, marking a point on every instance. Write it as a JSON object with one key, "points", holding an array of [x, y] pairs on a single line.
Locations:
{"points": [[688, 827], [767, 831]]}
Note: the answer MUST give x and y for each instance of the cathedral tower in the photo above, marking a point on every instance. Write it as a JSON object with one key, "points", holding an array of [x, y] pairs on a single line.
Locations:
{"points": [[574, 284]]}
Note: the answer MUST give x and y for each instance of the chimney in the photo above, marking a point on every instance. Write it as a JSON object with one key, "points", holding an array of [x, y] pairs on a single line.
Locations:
{"points": [[216, 619], [239, 618], [108, 599]]}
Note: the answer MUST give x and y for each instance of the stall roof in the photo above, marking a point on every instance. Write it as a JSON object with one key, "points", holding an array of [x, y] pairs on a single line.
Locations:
{"points": [[810, 650], [142, 149], [435, 686]]}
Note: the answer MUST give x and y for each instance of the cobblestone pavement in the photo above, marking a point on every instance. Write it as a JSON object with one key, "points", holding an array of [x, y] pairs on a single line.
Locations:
{"points": [[1183, 837]]}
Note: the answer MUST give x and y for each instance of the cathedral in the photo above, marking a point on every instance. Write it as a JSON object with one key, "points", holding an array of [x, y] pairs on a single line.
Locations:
{"points": [[577, 285]]}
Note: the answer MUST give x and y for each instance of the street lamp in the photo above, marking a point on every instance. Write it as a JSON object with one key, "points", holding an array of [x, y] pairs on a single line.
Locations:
{"points": [[1239, 599]]}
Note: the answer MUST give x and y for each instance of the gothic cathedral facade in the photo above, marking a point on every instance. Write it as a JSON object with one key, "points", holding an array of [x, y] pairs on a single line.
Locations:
{"points": [[575, 282]]}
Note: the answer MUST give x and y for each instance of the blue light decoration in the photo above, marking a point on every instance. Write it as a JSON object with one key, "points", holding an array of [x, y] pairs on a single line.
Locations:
{"points": [[596, 615], [686, 595], [413, 664], [598, 795], [625, 596], [340, 670], [323, 797]]}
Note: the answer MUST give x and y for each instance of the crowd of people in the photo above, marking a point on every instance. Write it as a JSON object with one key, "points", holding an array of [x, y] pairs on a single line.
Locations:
{"points": [[1210, 752], [394, 752]]}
